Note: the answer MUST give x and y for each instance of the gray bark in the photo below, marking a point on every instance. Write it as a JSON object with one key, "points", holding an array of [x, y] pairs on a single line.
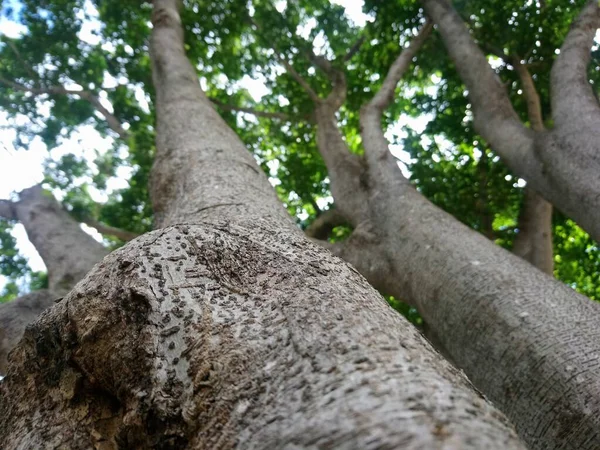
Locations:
{"points": [[67, 251], [227, 327], [534, 240], [68, 254], [524, 339], [562, 165], [16, 315]]}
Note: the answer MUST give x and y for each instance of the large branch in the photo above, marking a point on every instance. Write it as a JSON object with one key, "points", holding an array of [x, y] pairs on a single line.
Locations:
{"points": [[574, 105], [494, 116], [501, 320], [191, 136], [113, 123], [7, 210], [67, 251]]}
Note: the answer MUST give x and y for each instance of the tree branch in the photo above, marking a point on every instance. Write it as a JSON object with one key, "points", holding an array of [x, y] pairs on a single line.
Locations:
{"points": [[289, 68], [34, 75], [572, 94], [322, 226], [102, 228], [110, 118], [354, 49], [374, 141], [7, 210], [384, 97], [494, 117], [266, 114]]}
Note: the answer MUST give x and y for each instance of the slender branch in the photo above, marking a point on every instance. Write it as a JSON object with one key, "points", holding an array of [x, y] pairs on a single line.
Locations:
{"points": [[572, 94], [322, 226], [289, 68], [110, 118], [337, 96], [532, 98], [384, 97], [374, 141], [266, 114], [102, 228], [354, 49], [34, 75]]}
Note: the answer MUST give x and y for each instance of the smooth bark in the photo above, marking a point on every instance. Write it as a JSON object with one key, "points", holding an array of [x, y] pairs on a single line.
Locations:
{"points": [[227, 327], [16, 315], [68, 254], [534, 239], [562, 164], [67, 251]]}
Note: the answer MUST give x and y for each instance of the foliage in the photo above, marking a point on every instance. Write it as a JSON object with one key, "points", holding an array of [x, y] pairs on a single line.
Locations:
{"points": [[234, 41]]}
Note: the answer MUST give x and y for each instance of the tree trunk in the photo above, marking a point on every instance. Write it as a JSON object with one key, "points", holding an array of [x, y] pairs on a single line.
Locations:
{"points": [[226, 327], [14, 318], [68, 253]]}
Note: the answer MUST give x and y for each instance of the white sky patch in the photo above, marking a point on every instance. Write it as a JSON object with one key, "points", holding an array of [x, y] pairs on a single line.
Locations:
{"points": [[91, 27], [256, 87], [281, 5], [92, 232], [354, 10]]}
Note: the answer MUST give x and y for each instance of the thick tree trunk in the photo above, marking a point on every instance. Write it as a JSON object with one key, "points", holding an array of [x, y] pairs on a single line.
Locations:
{"points": [[524, 339], [562, 164], [67, 251], [227, 328]]}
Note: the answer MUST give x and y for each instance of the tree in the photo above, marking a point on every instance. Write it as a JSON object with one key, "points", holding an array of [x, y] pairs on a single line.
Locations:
{"points": [[222, 311], [518, 318]]}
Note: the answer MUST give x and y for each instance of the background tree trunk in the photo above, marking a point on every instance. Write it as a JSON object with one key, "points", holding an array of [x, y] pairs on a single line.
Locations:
{"points": [[68, 253]]}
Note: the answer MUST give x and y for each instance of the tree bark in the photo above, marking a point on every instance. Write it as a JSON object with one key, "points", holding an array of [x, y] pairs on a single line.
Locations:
{"points": [[523, 338], [226, 327], [562, 165], [16, 315], [67, 251], [534, 239]]}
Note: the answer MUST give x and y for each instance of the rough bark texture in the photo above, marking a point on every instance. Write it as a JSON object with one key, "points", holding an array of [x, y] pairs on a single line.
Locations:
{"points": [[561, 164], [217, 336], [524, 339], [232, 330]]}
